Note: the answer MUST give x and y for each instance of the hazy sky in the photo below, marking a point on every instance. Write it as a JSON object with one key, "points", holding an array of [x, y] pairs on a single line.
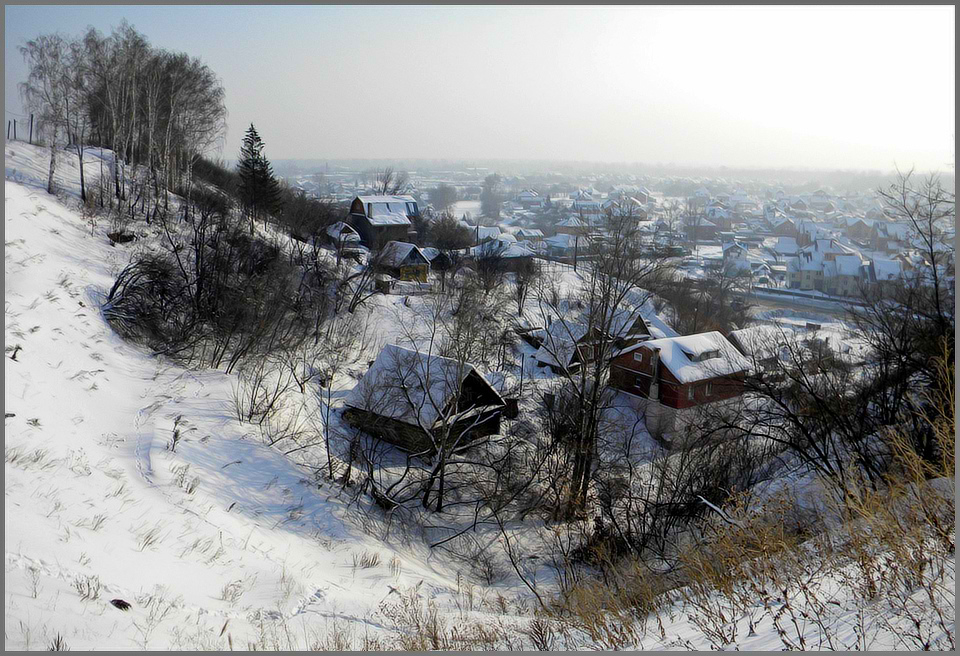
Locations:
{"points": [[852, 87]]}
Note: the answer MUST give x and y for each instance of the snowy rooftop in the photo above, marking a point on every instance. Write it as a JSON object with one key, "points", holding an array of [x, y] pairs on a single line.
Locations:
{"points": [[386, 199], [395, 253], [343, 232], [886, 269], [388, 218], [848, 265], [763, 341], [681, 356], [410, 386]]}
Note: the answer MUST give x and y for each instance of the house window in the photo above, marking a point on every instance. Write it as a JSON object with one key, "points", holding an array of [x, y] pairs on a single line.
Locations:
{"points": [[638, 356], [690, 393], [708, 390], [639, 382]]}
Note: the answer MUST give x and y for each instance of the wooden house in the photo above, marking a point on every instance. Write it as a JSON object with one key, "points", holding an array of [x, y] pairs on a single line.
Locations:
{"points": [[675, 376], [403, 261], [379, 219], [567, 343], [416, 400]]}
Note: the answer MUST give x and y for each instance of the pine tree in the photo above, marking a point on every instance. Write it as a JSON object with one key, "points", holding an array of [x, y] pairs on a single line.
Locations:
{"points": [[259, 189]]}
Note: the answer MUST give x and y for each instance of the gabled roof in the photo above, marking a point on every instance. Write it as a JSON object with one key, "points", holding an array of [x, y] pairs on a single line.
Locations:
{"points": [[678, 354], [483, 232], [529, 232], [560, 343], [786, 246], [395, 253], [885, 270], [572, 222], [562, 241], [386, 199], [848, 265], [760, 342], [626, 321], [386, 210], [830, 246], [343, 231], [734, 245], [501, 248], [415, 388]]}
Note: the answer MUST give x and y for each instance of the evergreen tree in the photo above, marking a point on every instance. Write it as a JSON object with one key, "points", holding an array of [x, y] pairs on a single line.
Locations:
{"points": [[259, 189]]}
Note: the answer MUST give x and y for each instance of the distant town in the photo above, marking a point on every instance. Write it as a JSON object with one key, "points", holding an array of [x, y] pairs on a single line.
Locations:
{"points": [[819, 243]]}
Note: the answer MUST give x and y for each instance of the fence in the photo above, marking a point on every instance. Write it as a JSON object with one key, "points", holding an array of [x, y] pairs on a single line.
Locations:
{"points": [[19, 126]]}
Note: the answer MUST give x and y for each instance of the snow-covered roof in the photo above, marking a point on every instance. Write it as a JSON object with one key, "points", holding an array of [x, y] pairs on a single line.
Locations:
{"points": [[395, 253], [386, 199], [501, 248], [412, 387], [388, 210], [343, 232], [831, 246], [483, 232], [848, 265], [560, 343], [884, 269], [565, 241], [786, 246], [529, 232], [388, 218], [430, 253], [680, 355], [734, 245], [899, 231], [572, 222]]}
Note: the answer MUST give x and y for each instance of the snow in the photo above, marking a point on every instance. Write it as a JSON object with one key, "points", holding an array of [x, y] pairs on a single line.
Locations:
{"points": [[848, 265], [225, 542], [408, 385], [388, 218], [761, 342], [886, 269], [395, 253], [677, 354], [340, 231], [93, 489], [502, 248]]}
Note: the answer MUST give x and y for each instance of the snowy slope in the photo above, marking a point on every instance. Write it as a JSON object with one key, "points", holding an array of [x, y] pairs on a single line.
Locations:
{"points": [[224, 528], [223, 542]]}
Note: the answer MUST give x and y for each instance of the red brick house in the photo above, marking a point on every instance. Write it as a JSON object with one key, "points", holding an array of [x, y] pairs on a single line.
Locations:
{"points": [[675, 376]]}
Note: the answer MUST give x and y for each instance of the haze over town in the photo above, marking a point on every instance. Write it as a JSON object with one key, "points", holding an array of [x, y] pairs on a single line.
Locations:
{"points": [[775, 87]]}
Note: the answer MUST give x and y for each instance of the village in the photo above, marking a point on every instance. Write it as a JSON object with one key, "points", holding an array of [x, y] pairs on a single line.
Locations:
{"points": [[416, 349], [813, 253], [817, 245]]}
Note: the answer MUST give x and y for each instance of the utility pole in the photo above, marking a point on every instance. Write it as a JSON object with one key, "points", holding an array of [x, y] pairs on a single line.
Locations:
{"points": [[31, 129]]}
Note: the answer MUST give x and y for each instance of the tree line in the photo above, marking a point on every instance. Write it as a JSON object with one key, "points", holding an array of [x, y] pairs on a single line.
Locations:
{"points": [[150, 106]]}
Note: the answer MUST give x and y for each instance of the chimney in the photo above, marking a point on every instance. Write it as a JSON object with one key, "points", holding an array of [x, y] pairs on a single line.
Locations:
{"points": [[654, 392]]}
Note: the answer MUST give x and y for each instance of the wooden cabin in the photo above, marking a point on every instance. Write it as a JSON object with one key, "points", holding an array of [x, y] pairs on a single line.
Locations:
{"points": [[413, 400]]}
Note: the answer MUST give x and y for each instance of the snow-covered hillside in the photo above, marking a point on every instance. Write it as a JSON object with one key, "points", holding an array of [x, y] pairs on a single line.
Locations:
{"points": [[222, 532], [216, 540]]}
